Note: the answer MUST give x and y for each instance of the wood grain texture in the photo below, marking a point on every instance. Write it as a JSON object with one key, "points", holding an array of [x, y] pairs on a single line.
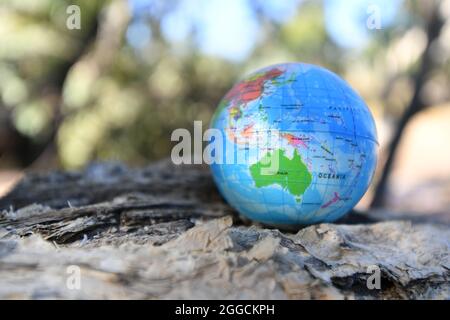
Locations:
{"points": [[164, 232]]}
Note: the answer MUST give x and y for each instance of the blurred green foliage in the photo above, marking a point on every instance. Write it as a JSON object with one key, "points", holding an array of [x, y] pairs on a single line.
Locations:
{"points": [[92, 95]]}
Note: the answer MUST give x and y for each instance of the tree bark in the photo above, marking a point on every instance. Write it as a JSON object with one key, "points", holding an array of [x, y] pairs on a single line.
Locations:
{"points": [[164, 232]]}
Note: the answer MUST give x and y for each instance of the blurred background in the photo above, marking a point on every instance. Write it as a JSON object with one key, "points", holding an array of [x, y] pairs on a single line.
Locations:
{"points": [[115, 83]]}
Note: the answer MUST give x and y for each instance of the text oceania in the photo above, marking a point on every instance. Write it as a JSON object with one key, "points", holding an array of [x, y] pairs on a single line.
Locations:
{"points": [[335, 176]]}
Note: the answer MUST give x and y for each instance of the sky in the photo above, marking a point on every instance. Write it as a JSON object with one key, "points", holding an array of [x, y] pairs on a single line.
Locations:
{"points": [[346, 21], [230, 30]]}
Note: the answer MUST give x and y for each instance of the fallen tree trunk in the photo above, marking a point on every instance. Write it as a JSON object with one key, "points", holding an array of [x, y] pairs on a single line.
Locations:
{"points": [[164, 232]]}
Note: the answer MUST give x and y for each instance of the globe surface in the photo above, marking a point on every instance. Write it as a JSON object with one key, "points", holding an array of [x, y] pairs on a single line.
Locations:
{"points": [[299, 145]]}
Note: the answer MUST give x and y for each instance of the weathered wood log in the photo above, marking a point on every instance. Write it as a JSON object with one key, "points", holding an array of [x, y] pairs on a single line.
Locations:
{"points": [[164, 232]]}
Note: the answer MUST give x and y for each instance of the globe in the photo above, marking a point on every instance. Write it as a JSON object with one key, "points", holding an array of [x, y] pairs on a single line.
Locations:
{"points": [[299, 147]]}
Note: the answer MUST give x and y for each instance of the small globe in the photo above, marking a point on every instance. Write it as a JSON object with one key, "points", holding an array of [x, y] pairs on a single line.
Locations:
{"points": [[299, 146]]}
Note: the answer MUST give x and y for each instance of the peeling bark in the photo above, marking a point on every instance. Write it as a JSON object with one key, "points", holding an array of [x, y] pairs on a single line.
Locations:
{"points": [[164, 232]]}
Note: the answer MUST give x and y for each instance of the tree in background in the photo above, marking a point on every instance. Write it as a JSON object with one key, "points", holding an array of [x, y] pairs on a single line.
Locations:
{"points": [[136, 70]]}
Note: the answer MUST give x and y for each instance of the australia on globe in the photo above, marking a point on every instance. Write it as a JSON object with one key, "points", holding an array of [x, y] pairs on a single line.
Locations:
{"points": [[299, 147]]}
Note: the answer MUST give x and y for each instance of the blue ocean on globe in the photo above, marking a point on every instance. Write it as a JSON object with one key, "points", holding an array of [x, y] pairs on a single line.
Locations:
{"points": [[300, 145]]}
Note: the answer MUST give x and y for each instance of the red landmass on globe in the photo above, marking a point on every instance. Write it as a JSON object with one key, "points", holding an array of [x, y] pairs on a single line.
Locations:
{"points": [[294, 140], [252, 89]]}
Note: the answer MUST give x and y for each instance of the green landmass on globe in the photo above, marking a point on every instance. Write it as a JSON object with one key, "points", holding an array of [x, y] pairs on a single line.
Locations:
{"points": [[291, 174]]}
